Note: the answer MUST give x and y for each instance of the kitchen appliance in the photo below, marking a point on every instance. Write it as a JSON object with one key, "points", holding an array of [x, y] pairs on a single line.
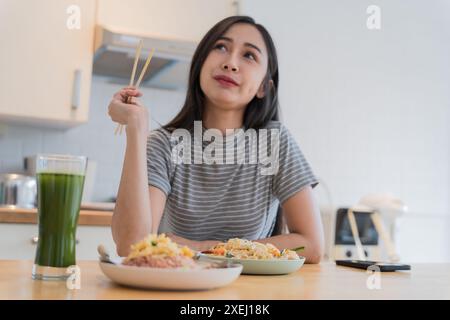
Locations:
{"points": [[345, 246], [115, 52], [17, 191], [365, 231]]}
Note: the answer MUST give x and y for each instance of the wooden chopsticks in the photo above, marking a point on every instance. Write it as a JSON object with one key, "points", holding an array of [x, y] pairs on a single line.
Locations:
{"points": [[133, 74]]}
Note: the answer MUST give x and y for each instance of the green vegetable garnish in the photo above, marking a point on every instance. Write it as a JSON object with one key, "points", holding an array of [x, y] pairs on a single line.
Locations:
{"points": [[154, 243], [298, 249], [229, 255]]}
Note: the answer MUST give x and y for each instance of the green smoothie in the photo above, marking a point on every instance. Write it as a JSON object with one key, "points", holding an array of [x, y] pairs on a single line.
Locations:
{"points": [[59, 199]]}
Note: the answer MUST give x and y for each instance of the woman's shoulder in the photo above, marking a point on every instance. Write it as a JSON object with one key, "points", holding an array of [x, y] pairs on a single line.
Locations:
{"points": [[283, 131], [285, 136], [159, 136]]}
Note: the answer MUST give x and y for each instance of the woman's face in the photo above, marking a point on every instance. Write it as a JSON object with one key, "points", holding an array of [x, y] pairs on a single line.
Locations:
{"points": [[234, 70]]}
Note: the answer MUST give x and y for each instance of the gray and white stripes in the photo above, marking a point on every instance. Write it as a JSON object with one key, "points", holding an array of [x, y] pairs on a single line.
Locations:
{"points": [[222, 201]]}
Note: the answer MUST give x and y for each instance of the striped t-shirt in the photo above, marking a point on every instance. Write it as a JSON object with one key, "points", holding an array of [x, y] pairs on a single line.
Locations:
{"points": [[219, 201]]}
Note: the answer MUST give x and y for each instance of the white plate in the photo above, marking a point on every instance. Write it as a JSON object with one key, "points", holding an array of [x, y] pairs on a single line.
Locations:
{"points": [[261, 266], [171, 279]]}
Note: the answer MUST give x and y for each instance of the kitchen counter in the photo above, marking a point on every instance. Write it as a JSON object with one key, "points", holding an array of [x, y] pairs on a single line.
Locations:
{"points": [[88, 217], [323, 281]]}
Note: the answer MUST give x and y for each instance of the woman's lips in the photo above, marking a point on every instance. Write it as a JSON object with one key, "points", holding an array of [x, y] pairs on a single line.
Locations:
{"points": [[226, 81]]}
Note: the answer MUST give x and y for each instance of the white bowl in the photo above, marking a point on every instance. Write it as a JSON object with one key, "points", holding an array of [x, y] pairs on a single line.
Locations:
{"points": [[262, 266]]}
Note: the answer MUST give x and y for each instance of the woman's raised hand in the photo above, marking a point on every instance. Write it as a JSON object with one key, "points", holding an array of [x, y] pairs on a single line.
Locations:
{"points": [[126, 109]]}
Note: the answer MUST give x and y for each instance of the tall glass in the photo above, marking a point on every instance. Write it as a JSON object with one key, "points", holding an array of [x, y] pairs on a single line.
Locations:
{"points": [[60, 180]]}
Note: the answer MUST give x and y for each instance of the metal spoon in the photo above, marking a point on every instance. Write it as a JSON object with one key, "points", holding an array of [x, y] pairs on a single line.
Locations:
{"points": [[104, 255]]}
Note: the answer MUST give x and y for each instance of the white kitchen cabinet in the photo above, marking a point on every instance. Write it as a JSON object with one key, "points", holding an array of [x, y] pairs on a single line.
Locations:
{"points": [[46, 61], [16, 241], [176, 18]]}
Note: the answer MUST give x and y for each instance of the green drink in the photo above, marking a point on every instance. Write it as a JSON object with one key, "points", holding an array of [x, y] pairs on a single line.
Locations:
{"points": [[60, 181]]}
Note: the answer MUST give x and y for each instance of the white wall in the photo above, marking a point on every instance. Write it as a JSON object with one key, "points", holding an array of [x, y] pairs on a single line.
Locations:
{"points": [[371, 108]]}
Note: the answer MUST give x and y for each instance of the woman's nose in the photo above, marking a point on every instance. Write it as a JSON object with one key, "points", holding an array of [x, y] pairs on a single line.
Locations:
{"points": [[228, 67]]}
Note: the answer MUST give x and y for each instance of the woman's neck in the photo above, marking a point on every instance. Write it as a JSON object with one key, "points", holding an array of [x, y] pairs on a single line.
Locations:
{"points": [[222, 119]]}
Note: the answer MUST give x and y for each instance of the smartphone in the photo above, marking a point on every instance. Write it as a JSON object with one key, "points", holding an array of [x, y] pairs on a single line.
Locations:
{"points": [[382, 266]]}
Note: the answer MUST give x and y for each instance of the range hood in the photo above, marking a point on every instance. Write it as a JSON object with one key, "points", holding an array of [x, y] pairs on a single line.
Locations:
{"points": [[115, 51]]}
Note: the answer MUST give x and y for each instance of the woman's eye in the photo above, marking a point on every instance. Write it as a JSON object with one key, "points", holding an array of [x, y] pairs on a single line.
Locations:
{"points": [[220, 47], [250, 55]]}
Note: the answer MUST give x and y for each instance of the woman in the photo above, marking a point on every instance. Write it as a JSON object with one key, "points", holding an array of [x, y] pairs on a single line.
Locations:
{"points": [[233, 84]]}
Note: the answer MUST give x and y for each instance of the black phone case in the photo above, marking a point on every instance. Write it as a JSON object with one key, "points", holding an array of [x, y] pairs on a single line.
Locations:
{"points": [[382, 267]]}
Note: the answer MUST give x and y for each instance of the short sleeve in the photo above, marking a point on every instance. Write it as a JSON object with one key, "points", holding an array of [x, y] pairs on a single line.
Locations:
{"points": [[158, 160], [294, 171]]}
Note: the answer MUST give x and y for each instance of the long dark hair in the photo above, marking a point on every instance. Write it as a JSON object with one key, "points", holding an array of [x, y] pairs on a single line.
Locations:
{"points": [[259, 111]]}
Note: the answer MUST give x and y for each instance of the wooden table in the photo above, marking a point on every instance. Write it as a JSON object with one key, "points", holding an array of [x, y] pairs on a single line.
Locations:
{"points": [[323, 281], [87, 217]]}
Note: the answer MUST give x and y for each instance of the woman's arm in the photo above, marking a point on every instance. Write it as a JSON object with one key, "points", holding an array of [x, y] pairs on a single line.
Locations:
{"points": [[138, 207], [132, 220], [305, 226]]}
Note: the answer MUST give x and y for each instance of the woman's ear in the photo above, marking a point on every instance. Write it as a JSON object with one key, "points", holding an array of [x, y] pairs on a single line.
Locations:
{"points": [[262, 89]]}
